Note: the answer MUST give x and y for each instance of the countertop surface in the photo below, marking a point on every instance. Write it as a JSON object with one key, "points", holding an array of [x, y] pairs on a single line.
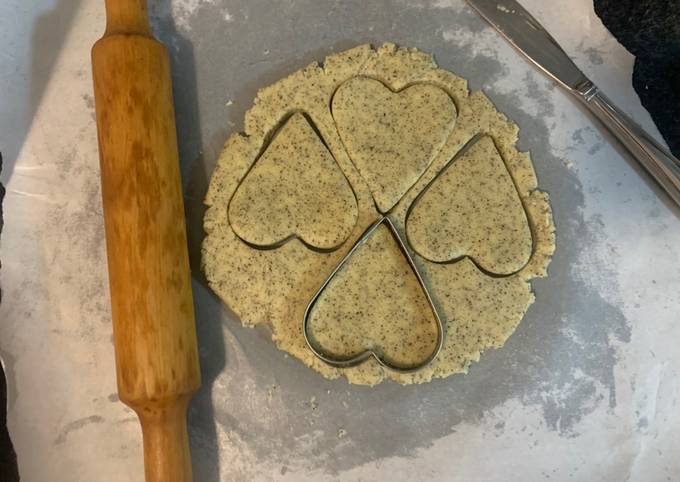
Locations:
{"points": [[586, 389]]}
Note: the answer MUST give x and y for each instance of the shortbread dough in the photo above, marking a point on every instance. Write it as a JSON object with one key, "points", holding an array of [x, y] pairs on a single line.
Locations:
{"points": [[294, 189], [376, 283], [472, 209], [391, 137], [480, 310]]}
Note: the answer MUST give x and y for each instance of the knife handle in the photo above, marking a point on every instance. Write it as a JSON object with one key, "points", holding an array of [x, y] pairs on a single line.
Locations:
{"points": [[657, 161]]}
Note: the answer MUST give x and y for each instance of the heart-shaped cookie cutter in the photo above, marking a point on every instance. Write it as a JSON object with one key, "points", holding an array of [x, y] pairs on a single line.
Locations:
{"points": [[342, 362], [462, 151], [267, 144]]}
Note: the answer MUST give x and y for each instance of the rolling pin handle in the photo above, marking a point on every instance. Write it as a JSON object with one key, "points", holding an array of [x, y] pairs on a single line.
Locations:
{"points": [[166, 440], [128, 17]]}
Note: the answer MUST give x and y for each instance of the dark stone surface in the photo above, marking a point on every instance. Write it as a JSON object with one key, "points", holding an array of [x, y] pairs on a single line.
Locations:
{"points": [[650, 30], [8, 459]]}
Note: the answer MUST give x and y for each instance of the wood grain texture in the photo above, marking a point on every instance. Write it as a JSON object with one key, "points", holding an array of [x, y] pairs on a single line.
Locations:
{"points": [[150, 282]]}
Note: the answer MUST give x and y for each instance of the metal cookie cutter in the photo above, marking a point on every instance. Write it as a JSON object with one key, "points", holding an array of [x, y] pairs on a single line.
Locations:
{"points": [[361, 357], [462, 151], [344, 362]]}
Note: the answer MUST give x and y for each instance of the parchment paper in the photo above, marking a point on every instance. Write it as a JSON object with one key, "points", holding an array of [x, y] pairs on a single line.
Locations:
{"points": [[586, 389]]}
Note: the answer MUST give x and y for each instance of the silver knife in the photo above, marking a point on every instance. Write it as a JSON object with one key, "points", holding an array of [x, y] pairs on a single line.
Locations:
{"points": [[530, 38]]}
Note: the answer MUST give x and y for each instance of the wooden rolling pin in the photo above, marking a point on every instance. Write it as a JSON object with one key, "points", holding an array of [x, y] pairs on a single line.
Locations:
{"points": [[151, 301]]}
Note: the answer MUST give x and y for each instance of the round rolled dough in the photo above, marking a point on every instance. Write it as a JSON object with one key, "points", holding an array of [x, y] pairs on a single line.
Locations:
{"points": [[392, 125]]}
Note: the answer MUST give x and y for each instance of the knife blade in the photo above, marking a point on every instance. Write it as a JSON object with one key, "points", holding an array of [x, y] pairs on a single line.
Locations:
{"points": [[528, 36]]}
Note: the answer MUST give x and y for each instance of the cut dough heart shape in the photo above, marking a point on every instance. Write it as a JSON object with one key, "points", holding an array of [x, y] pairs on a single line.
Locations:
{"points": [[392, 137], [294, 189], [472, 209], [379, 299]]}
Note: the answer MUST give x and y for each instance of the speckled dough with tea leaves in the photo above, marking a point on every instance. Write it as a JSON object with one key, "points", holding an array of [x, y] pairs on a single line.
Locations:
{"points": [[294, 189], [404, 331], [274, 286], [472, 209], [392, 137]]}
